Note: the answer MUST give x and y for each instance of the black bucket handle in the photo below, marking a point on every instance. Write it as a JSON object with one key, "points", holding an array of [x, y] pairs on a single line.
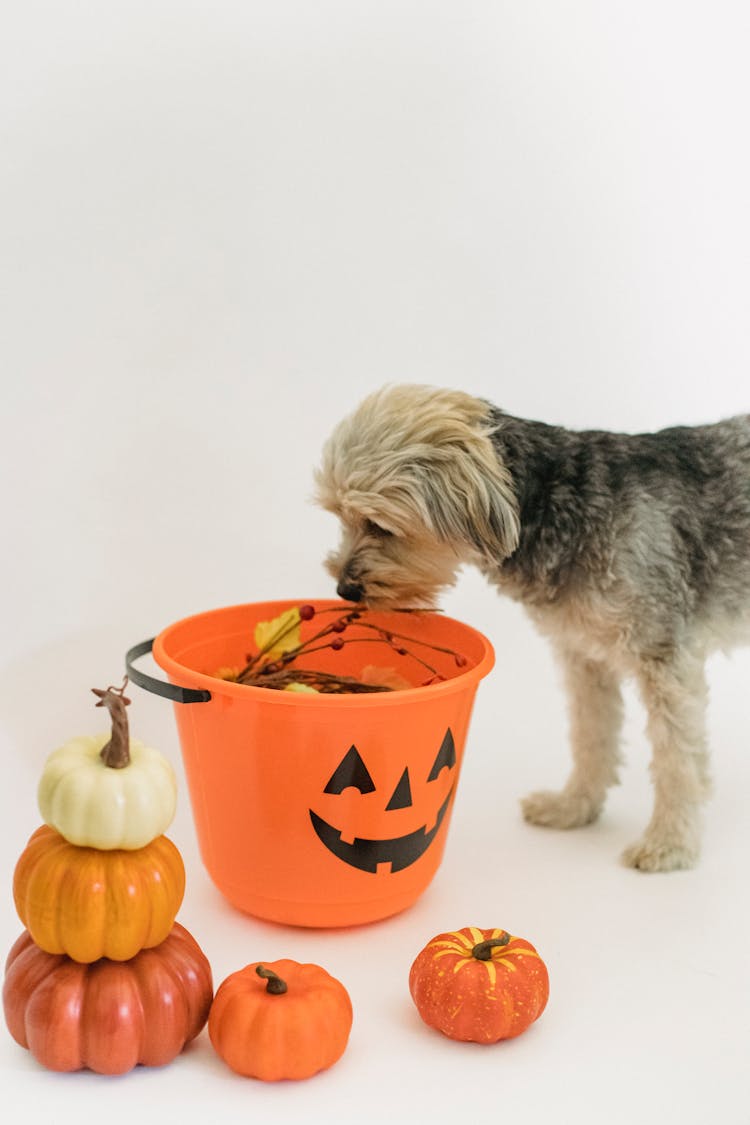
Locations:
{"points": [[159, 687]]}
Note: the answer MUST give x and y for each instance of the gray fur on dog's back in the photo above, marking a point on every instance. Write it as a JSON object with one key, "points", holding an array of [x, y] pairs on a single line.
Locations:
{"points": [[659, 522]]}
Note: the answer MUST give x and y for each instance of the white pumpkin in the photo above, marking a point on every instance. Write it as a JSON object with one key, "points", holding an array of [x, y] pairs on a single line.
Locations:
{"points": [[93, 805]]}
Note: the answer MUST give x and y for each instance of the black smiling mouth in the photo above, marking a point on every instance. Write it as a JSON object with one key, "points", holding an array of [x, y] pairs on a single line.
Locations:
{"points": [[367, 855]]}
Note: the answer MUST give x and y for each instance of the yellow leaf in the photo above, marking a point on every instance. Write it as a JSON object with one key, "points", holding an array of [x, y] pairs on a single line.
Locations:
{"points": [[227, 673], [302, 688], [275, 637]]}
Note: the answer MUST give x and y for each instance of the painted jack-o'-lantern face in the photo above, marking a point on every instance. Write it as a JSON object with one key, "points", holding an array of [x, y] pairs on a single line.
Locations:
{"points": [[398, 851]]}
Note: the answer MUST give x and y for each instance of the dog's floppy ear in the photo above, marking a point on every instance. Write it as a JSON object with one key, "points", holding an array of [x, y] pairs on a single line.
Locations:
{"points": [[414, 454], [469, 497]]}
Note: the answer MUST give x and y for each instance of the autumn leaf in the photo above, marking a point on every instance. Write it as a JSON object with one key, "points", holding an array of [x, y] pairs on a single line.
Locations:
{"points": [[376, 676], [279, 635], [302, 689], [227, 673]]}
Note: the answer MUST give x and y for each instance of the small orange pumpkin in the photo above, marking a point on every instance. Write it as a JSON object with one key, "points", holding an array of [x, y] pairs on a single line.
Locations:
{"points": [[89, 903], [479, 985], [111, 1015], [280, 1020]]}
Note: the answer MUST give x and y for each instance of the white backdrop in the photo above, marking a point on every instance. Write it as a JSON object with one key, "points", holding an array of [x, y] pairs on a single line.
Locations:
{"points": [[222, 224]]}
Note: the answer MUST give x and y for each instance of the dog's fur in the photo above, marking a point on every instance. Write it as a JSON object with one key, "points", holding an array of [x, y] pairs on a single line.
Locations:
{"points": [[630, 552]]}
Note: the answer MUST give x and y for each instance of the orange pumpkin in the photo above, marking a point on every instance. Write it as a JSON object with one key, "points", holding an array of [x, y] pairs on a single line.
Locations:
{"points": [[479, 985], [108, 1016], [90, 903], [280, 1020]]}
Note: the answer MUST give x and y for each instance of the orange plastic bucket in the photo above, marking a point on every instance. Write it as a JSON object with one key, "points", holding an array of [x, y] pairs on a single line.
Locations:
{"points": [[318, 810]]}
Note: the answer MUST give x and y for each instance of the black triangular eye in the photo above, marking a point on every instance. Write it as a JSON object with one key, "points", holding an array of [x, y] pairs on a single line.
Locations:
{"points": [[401, 798], [350, 772], [446, 756]]}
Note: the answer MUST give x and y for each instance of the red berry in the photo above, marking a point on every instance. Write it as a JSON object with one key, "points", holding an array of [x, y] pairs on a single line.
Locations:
{"points": [[306, 612], [269, 669], [340, 625], [460, 660], [337, 643]]}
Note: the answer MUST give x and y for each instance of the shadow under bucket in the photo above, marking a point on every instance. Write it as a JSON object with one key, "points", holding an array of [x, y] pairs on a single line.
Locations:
{"points": [[318, 810]]}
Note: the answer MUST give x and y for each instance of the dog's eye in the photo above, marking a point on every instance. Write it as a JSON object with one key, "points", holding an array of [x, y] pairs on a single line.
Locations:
{"points": [[376, 530]]}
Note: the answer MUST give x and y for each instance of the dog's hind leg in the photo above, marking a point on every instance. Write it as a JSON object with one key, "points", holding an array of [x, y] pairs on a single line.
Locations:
{"points": [[596, 710], [675, 694]]}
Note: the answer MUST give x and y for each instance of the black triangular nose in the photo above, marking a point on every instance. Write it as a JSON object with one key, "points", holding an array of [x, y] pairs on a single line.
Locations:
{"points": [[401, 798]]}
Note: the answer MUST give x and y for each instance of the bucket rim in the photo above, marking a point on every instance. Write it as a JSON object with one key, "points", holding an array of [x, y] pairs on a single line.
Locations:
{"points": [[188, 677]]}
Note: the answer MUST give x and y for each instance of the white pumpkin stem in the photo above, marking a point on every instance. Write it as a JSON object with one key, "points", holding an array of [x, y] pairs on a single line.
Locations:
{"points": [[116, 752]]}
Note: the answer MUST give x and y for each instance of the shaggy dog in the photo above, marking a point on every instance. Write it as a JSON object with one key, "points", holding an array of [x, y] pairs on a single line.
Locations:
{"points": [[630, 552]]}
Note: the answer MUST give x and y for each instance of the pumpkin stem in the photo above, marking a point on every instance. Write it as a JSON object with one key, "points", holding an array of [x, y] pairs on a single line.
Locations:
{"points": [[116, 753], [483, 951], [274, 984]]}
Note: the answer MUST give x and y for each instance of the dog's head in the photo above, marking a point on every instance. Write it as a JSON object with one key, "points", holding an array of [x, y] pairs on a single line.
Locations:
{"points": [[417, 484]]}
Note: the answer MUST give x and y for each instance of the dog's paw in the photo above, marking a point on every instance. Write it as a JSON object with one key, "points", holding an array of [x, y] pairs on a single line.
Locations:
{"points": [[560, 810], [660, 855]]}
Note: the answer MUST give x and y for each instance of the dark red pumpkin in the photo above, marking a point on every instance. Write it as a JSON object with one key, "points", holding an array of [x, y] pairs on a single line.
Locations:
{"points": [[108, 1016]]}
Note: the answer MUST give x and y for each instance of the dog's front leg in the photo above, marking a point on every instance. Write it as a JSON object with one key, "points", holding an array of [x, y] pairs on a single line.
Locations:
{"points": [[675, 693], [595, 708]]}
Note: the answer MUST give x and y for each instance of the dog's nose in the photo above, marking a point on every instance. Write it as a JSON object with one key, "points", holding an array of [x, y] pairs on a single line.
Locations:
{"points": [[350, 591]]}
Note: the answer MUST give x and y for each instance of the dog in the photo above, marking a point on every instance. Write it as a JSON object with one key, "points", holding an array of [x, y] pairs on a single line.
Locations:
{"points": [[631, 553]]}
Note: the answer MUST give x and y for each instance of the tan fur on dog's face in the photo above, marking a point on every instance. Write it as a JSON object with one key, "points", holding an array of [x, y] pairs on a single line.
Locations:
{"points": [[414, 480], [392, 569]]}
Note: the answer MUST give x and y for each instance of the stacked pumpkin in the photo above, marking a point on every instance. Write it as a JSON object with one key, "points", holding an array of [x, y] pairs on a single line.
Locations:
{"points": [[103, 977]]}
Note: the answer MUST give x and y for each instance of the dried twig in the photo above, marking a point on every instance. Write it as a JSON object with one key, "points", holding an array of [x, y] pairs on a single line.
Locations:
{"points": [[280, 671]]}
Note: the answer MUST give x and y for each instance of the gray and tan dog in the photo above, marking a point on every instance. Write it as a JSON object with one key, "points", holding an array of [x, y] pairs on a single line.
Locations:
{"points": [[630, 552]]}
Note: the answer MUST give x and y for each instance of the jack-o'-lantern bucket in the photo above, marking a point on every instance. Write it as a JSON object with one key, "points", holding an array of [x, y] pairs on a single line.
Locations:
{"points": [[320, 809]]}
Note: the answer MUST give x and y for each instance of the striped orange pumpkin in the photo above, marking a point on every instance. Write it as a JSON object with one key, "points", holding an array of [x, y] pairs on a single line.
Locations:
{"points": [[479, 985]]}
